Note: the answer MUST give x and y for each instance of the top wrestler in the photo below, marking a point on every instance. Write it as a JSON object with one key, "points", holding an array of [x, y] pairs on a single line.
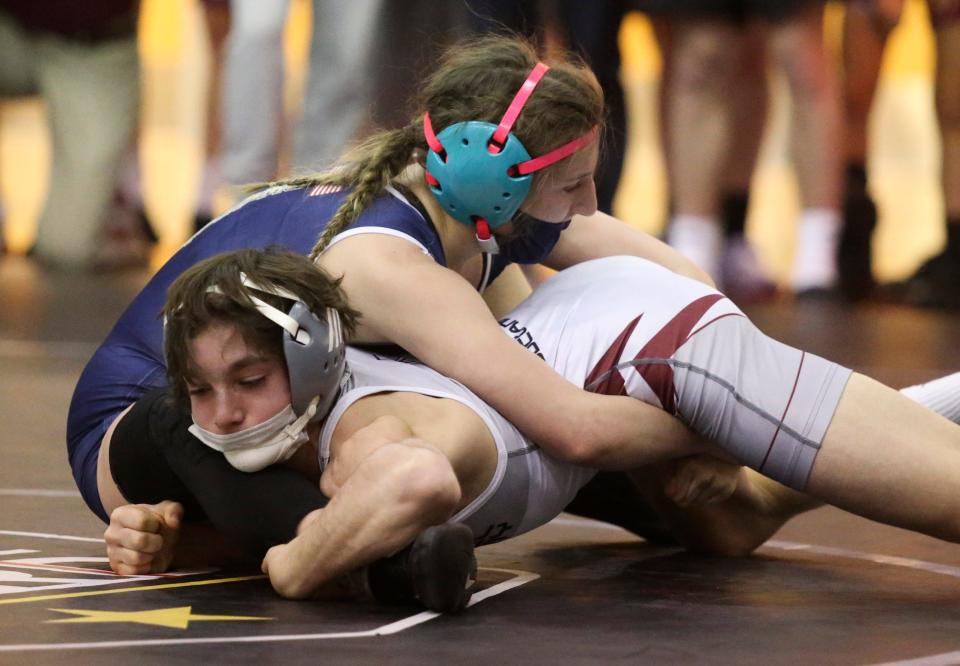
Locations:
{"points": [[412, 273], [413, 248], [396, 463]]}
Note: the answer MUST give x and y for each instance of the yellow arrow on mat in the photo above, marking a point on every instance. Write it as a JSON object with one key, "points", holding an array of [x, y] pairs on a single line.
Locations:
{"points": [[173, 618]]}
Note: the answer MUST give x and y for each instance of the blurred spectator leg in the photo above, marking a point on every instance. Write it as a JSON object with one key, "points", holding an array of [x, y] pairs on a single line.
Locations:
{"points": [[702, 63], [409, 40], [796, 45], [252, 91], [91, 90], [866, 27], [17, 75], [743, 278], [935, 283], [948, 113], [217, 18], [592, 30], [337, 91]]}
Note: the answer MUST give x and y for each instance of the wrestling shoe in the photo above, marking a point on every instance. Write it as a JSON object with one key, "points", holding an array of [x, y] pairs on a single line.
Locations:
{"points": [[742, 278], [438, 570], [856, 281], [126, 238], [936, 284]]}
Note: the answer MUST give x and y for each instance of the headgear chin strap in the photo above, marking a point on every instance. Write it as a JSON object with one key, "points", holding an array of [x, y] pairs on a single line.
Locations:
{"points": [[480, 172], [314, 349]]}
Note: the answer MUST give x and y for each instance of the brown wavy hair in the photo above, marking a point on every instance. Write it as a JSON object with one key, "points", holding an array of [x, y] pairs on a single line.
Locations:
{"points": [[191, 307], [475, 80]]}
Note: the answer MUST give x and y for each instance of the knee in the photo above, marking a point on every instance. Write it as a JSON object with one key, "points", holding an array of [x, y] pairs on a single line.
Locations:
{"points": [[703, 61], [801, 57]]}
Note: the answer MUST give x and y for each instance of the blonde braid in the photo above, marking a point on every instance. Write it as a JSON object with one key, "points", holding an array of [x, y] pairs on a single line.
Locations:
{"points": [[373, 165]]}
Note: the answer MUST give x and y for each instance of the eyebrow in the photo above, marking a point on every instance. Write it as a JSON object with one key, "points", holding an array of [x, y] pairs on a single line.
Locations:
{"points": [[196, 375], [577, 179], [247, 361]]}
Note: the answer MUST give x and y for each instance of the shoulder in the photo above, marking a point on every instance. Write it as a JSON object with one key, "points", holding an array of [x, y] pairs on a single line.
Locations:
{"points": [[392, 215], [377, 252]]}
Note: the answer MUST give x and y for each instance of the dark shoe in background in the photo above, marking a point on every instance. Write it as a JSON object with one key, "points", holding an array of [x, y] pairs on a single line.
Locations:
{"points": [[742, 277], [936, 284], [127, 238], [856, 281]]}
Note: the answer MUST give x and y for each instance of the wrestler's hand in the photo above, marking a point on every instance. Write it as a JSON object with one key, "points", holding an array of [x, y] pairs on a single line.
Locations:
{"points": [[141, 537], [278, 564], [287, 582], [701, 479]]}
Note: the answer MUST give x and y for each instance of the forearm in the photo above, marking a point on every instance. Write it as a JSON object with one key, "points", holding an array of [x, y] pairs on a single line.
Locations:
{"points": [[461, 340], [612, 432], [349, 533], [621, 433], [601, 235], [395, 494]]}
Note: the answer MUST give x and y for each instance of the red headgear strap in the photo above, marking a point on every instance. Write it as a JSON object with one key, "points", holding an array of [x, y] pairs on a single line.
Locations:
{"points": [[506, 124], [556, 154], [431, 136], [510, 117]]}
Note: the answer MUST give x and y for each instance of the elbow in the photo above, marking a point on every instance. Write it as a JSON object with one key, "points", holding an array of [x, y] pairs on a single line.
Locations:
{"points": [[578, 446], [425, 485]]}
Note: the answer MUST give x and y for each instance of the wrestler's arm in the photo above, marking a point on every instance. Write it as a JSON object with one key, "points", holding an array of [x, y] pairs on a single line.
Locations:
{"points": [[151, 538], [600, 235], [249, 510], [436, 315], [386, 487]]}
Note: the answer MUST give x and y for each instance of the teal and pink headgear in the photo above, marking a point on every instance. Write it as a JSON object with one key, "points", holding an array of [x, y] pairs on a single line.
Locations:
{"points": [[480, 172]]}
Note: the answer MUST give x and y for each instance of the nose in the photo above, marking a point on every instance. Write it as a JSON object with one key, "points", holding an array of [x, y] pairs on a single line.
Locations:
{"points": [[228, 415], [586, 203]]}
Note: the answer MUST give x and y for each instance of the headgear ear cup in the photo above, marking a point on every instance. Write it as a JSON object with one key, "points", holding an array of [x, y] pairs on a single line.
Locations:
{"points": [[467, 174], [313, 347], [315, 366], [479, 171]]}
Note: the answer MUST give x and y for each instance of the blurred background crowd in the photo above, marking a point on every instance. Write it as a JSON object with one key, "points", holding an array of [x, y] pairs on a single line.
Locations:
{"points": [[790, 147]]}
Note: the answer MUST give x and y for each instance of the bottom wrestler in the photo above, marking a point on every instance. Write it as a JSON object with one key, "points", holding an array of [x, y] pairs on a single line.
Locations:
{"points": [[404, 448]]}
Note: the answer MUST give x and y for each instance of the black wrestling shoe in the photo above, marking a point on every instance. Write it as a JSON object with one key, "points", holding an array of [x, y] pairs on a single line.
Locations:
{"points": [[437, 570], [936, 284], [855, 248]]}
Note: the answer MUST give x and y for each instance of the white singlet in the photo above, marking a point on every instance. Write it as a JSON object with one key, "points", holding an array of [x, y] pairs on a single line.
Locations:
{"points": [[528, 488], [627, 326]]}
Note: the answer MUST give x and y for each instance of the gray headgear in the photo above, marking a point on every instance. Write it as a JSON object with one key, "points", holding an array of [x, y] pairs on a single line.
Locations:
{"points": [[313, 349]]}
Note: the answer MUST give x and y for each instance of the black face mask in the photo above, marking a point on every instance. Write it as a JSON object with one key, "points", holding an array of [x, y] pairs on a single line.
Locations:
{"points": [[524, 225]]}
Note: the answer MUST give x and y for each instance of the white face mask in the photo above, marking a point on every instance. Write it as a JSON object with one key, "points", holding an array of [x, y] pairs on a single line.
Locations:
{"points": [[264, 444]]}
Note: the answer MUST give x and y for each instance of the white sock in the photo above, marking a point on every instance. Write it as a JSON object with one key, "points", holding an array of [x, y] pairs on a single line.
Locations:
{"points": [[815, 262], [940, 395], [698, 238]]}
